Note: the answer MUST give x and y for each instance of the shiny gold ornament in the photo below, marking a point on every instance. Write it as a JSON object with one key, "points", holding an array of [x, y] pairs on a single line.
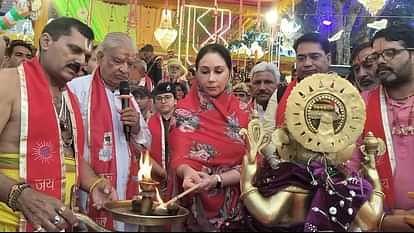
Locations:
{"points": [[324, 117], [256, 137], [325, 113], [372, 145]]}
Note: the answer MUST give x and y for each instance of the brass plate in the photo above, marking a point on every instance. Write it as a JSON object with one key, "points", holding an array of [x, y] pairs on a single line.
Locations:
{"points": [[122, 211], [325, 113], [409, 220]]}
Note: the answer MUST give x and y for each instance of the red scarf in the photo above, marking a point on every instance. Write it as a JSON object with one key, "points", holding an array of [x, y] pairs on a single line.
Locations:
{"points": [[208, 137], [375, 124], [148, 83], [40, 147], [157, 145], [281, 109], [102, 146]]}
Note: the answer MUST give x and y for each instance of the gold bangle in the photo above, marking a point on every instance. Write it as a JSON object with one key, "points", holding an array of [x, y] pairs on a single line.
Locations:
{"points": [[93, 186], [244, 194], [15, 192], [381, 221]]}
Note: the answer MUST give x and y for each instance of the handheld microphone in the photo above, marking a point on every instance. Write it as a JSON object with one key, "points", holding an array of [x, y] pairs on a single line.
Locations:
{"points": [[124, 90]]}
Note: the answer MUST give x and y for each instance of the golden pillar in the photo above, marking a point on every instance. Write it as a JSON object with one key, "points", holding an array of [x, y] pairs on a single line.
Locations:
{"points": [[40, 23]]}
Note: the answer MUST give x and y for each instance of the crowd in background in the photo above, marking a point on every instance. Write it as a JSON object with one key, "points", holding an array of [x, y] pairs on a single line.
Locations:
{"points": [[189, 116]]}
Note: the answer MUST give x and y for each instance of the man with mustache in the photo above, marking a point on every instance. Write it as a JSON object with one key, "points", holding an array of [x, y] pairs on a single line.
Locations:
{"points": [[108, 151], [390, 115], [18, 52], [363, 68], [41, 135], [312, 56], [265, 81]]}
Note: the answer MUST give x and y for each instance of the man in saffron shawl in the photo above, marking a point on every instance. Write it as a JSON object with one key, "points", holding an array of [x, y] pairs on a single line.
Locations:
{"points": [[312, 56], [390, 117], [41, 134], [164, 96]]}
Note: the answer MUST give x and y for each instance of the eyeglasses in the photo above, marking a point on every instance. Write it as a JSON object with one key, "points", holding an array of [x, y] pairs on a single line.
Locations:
{"points": [[164, 98], [388, 54], [240, 95]]}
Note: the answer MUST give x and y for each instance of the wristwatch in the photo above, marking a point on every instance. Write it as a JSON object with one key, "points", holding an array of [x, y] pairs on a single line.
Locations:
{"points": [[219, 183]]}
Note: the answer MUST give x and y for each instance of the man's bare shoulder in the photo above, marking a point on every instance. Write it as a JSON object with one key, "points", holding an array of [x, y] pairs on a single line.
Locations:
{"points": [[9, 82]]}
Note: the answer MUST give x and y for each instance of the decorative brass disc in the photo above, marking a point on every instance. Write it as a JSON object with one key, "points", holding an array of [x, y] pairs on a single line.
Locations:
{"points": [[325, 113]]}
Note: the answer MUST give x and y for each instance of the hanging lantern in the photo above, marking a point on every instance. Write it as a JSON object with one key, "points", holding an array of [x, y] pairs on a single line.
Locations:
{"points": [[165, 34], [373, 6]]}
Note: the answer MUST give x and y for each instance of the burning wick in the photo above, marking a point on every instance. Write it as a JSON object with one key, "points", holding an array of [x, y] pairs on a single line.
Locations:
{"points": [[144, 173]]}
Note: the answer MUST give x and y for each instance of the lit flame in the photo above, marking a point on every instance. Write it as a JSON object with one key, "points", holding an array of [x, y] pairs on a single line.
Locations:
{"points": [[145, 167], [159, 199]]}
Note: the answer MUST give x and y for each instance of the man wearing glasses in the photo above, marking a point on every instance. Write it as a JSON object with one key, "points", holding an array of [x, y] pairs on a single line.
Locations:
{"points": [[390, 116], [165, 100], [364, 67]]}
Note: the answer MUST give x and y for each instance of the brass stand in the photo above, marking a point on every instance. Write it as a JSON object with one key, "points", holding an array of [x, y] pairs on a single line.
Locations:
{"points": [[122, 211], [141, 211]]}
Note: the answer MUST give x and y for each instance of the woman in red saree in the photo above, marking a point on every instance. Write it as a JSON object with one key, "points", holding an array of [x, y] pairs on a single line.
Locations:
{"points": [[206, 147]]}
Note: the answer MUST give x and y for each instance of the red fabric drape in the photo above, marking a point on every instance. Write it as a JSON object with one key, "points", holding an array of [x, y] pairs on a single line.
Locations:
{"points": [[206, 136]]}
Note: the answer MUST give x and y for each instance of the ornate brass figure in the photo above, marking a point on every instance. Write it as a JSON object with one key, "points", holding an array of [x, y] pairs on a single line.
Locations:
{"points": [[325, 116]]}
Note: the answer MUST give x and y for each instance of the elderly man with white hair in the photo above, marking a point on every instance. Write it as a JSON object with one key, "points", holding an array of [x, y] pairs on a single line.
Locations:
{"points": [[107, 148], [265, 81], [138, 76]]}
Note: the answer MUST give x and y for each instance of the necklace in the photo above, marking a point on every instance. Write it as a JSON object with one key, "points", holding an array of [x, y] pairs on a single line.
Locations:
{"points": [[63, 114], [399, 129], [65, 124]]}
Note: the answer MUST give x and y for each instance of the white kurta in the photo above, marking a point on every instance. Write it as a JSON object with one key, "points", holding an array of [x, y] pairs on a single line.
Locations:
{"points": [[81, 88], [260, 111]]}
